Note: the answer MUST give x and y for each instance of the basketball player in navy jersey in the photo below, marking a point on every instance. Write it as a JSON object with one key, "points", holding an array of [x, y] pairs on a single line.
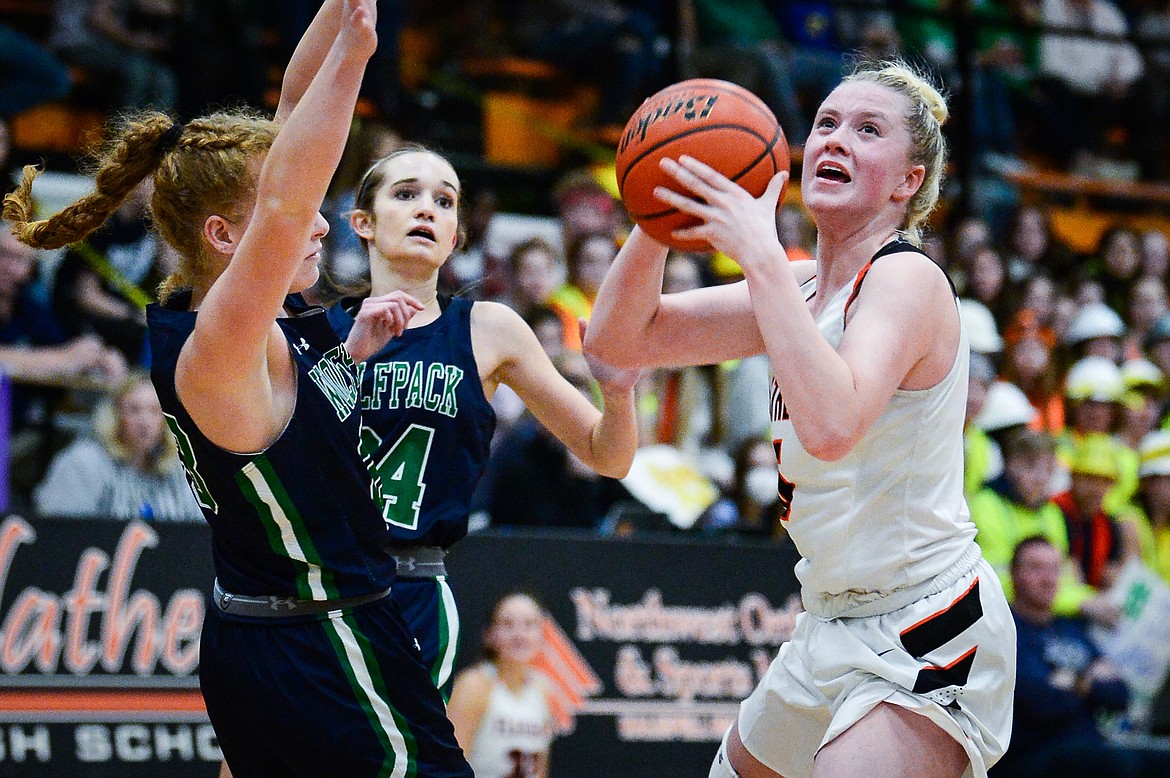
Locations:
{"points": [[426, 413], [904, 661], [307, 666]]}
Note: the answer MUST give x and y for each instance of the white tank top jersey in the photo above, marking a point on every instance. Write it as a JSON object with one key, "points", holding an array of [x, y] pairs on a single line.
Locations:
{"points": [[890, 514], [515, 734]]}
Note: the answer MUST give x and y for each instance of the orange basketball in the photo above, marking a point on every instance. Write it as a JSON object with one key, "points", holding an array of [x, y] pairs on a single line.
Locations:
{"points": [[720, 123]]}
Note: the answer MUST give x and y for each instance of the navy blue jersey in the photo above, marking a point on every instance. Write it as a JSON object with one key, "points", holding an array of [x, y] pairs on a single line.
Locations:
{"points": [[426, 425], [296, 520]]}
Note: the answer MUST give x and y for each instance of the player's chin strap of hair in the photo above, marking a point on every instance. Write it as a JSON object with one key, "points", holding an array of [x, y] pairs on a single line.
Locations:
{"points": [[170, 138]]}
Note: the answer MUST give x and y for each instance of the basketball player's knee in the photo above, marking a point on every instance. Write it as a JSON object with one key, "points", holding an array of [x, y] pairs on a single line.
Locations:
{"points": [[721, 764]]}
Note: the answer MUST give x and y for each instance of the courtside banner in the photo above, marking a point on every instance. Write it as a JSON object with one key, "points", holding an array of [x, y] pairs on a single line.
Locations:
{"points": [[99, 649], [650, 643]]}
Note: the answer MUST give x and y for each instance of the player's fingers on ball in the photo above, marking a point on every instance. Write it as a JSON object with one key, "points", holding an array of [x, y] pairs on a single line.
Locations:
{"points": [[702, 171], [775, 187], [680, 201], [698, 232], [681, 174]]}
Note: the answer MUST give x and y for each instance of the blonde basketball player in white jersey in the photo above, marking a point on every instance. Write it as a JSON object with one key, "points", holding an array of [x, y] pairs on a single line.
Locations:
{"points": [[500, 706], [904, 662]]}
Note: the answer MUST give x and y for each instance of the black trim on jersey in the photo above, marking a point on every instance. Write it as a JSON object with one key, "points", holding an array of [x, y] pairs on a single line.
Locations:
{"points": [[893, 247], [955, 674], [944, 626]]}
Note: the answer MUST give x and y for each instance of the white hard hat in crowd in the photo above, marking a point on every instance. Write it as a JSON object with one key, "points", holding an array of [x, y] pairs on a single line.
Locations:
{"points": [[1141, 373], [1154, 454], [1094, 320], [982, 333], [1094, 378], [1006, 406]]}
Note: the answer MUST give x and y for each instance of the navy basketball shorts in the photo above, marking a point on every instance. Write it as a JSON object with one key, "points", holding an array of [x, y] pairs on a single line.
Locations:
{"points": [[428, 605], [341, 693]]}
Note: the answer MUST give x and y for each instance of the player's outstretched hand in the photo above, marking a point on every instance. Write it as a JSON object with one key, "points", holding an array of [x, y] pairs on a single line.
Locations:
{"points": [[379, 320], [357, 34]]}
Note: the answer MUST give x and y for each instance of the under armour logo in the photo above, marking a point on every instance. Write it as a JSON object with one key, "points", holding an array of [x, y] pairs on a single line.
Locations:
{"points": [[406, 565], [301, 347], [417, 647], [276, 603]]}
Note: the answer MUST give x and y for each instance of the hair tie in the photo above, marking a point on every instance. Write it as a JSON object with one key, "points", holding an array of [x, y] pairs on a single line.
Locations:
{"points": [[170, 138]]}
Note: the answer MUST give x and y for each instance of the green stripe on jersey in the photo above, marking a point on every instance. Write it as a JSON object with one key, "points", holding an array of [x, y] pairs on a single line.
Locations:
{"points": [[287, 533], [365, 677]]}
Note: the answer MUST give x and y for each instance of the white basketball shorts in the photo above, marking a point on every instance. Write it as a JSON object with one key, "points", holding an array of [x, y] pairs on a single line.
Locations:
{"points": [[950, 656]]}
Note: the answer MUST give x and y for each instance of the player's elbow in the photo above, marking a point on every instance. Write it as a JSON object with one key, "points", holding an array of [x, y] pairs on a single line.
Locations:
{"points": [[608, 351], [618, 468], [828, 445]]}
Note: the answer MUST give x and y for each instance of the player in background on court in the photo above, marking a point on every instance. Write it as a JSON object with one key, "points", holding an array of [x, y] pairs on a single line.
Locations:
{"points": [[500, 706], [904, 662], [306, 665], [426, 413]]}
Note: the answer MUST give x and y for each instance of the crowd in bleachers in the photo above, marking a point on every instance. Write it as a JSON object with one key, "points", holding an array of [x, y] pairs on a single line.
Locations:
{"points": [[1068, 433]]}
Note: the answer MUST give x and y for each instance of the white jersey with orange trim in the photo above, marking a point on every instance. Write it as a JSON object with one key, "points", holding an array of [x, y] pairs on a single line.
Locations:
{"points": [[515, 733], [890, 514]]}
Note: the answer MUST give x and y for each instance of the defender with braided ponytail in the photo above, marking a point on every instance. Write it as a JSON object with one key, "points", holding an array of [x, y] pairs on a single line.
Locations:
{"points": [[306, 664], [904, 662]]}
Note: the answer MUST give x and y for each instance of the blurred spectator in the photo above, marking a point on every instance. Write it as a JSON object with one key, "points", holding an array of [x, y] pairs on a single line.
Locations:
{"points": [[1039, 295], [473, 271], [1095, 539], [982, 330], [1003, 72], [1032, 248], [1148, 301], [532, 480], [1017, 504], [1095, 331], [1155, 253], [608, 44], [33, 347], [1141, 404], [103, 284], [1153, 500], [987, 281], [537, 270], [683, 407], [1005, 410], [129, 469], [546, 324], [741, 41], [1116, 265], [589, 257], [1157, 345], [29, 75], [345, 264], [978, 449], [1084, 82], [1029, 363], [751, 505], [1062, 684], [584, 207], [798, 234], [1093, 390], [123, 47], [500, 705]]}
